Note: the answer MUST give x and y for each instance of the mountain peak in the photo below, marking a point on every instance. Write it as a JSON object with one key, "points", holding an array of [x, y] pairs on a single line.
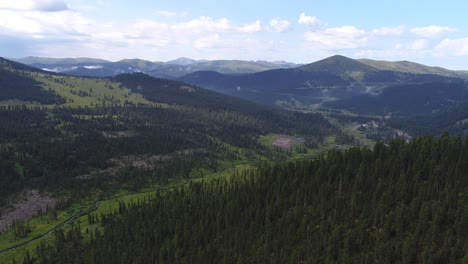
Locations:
{"points": [[182, 61], [338, 64]]}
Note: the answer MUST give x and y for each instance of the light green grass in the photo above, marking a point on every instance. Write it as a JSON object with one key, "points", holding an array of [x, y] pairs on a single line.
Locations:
{"points": [[89, 92], [38, 225], [19, 169], [330, 140], [226, 173], [18, 254]]}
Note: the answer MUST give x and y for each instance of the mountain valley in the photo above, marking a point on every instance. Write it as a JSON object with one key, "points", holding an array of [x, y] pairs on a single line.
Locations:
{"points": [[232, 162]]}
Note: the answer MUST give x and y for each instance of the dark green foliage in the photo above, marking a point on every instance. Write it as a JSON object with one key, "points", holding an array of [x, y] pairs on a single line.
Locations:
{"points": [[407, 100], [15, 83], [41, 147], [18, 66], [20, 87], [452, 120], [269, 86], [401, 203], [20, 229], [175, 92]]}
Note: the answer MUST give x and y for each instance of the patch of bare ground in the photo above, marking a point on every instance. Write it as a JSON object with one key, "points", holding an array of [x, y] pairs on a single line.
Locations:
{"points": [[283, 142], [24, 206], [187, 88], [146, 162]]}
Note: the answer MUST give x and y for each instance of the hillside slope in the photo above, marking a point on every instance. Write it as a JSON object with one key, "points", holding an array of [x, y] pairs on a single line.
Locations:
{"points": [[402, 203], [306, 87], [412, 67]]}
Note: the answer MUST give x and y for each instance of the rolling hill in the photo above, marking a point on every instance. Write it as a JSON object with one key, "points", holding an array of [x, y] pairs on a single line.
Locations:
{"points": [[411, 67]]}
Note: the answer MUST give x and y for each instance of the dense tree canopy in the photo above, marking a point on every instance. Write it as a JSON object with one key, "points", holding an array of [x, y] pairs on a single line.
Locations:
{"points": [[401, 203]]}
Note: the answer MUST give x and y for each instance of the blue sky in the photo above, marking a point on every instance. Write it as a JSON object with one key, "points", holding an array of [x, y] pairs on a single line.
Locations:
{"points": [[428, 32]]}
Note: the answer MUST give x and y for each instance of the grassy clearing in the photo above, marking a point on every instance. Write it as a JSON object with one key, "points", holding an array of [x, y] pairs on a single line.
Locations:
{"points": [[227, 174], [89, 92], [39, 226], [351, 128], [298, 149], [19, 253]]}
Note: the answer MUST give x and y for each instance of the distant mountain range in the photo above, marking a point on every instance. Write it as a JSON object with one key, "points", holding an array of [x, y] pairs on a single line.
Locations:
{"points": [[364, 86], [334, 78], [404, 91], [170, 69]]}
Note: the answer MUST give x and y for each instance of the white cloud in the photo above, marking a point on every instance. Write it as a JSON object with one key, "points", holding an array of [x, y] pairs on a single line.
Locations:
{"points": [[35, 5], [386, 54], [432, 31], [452, 47], [310, 21], [167, 13], [279, 25], [204, 24], [66, 23], [250, 28], [210, 41], [346, 37], [388, 31], [196, 27], [419, 44]]}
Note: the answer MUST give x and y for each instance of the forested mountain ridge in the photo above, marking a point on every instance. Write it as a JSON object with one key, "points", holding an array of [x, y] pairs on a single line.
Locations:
{"points": [[408, 99], [411, 67], [333, 78], [401, 203]]}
